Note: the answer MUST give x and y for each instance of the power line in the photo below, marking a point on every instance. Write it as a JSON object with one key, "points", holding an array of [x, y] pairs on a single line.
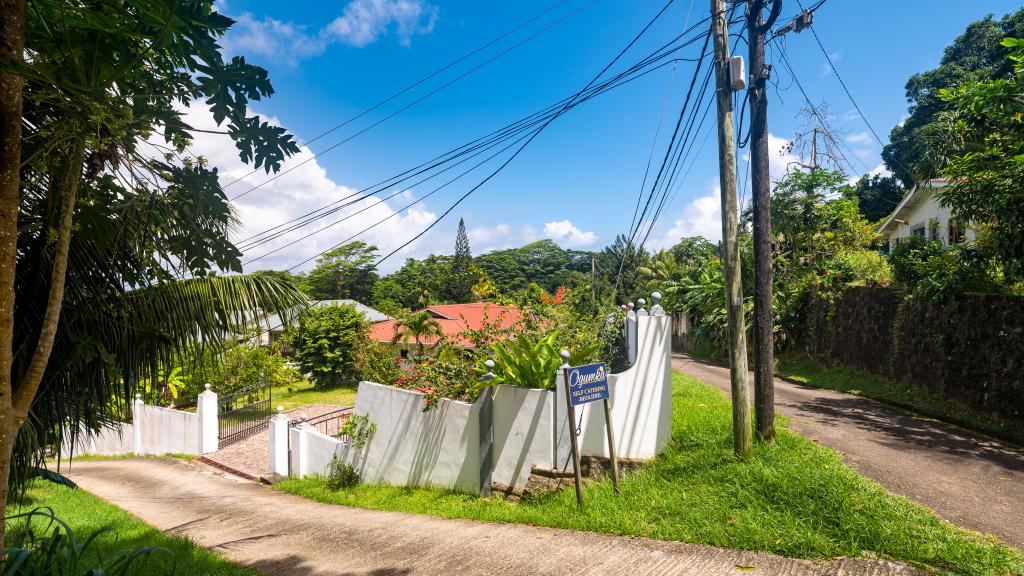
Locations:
{"points": [[632, 73], [412, 86], [535, 134], [418, 100]]}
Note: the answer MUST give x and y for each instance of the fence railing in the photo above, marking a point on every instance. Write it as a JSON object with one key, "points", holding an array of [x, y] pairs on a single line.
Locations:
{"points": [[328, 423], [243, 413]]}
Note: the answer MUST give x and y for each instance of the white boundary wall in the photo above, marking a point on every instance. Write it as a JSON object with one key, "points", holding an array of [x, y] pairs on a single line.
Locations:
{"points": [[442, 447], [155, 430]]}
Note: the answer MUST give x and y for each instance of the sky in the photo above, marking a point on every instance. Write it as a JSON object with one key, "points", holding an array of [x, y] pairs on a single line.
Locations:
{"points": [[578, 181]]}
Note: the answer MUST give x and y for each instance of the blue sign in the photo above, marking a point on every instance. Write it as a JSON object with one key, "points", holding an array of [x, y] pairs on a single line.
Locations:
{"points": [[587, 383]]}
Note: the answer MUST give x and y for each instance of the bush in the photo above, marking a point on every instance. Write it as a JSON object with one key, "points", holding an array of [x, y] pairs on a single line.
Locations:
{"points": [[962, 268], [908, 259], [341, 475], [859, 268], [326, 342], [55, 550], [376, 362], [238, 367]]}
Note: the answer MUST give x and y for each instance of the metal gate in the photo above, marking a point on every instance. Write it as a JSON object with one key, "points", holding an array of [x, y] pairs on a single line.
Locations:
{"points": [[242, 414]]}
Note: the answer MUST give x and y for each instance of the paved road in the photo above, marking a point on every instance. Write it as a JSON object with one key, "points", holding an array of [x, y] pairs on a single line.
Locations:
{"points": [[286, 535], [972, 482]]}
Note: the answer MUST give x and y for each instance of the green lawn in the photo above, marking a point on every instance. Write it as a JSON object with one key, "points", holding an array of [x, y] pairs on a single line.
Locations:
{"points": [[809, 371], [306, 393], [86, 514], [793, 498]]}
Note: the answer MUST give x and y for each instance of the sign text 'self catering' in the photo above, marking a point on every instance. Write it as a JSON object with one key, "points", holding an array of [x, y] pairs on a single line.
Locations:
{"points": [[588, 383]]}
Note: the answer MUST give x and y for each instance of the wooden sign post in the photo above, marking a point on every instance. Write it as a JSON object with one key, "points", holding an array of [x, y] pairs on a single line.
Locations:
{"points": [[585, 384]]}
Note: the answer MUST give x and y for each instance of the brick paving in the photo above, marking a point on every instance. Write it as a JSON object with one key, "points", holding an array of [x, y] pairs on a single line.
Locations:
{"points": [[249, 455]]}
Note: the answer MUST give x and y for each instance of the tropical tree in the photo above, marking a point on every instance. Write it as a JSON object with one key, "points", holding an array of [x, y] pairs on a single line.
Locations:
{"points": [[983, 153], [100, 216], [462, 277], [344, 272], [327, 341], [976, 55], [877, 196], [416, 326]]}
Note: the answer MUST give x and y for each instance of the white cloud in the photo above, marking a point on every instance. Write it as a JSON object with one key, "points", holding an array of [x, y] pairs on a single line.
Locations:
{"points": [[860, 138], [361, 23], [701, 217], [304, 189], [567, 235], [826, 68], [485, 239]]}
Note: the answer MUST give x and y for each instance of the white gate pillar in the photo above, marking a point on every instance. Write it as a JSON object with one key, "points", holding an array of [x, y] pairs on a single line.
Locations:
{"points": [[206, 409], [138, 411], [277, 433]]}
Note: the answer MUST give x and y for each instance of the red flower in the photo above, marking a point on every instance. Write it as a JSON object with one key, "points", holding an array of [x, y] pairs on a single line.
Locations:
{"points": [[840, 275]]}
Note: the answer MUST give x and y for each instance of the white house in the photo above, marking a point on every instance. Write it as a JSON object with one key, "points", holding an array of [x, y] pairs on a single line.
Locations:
{"points": [[920, 214]]}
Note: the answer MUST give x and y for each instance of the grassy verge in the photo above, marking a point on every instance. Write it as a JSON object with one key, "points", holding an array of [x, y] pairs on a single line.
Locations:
{"points": [[793, 498], [86, 514], [804, 370], [305, 393]]}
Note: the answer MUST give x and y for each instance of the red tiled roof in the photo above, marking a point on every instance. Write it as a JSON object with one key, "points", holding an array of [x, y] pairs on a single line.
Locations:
{"points": [[456, 319]]}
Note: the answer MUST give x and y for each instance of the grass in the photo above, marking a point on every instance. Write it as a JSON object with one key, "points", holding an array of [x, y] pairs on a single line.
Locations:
{"points": [[793, 498], [805, 370], [306, 393], [86, 514]]}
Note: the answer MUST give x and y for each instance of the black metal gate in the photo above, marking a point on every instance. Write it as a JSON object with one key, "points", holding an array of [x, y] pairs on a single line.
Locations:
{"points": [[243, 413]]}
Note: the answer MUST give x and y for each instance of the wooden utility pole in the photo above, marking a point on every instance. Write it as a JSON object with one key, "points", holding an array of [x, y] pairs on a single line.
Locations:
{"points": [[730, 231], [764, 325]]}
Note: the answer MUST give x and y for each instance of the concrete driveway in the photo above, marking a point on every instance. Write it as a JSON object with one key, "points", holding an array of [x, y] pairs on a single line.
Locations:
{"points": [[286, 535], [970, 481]]}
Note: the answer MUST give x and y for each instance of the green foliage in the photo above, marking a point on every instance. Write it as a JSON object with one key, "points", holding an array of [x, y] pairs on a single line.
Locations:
{"points": [[543, 263], [376, 362], [238, 367], [962, 268], [860, 268], [909, 257], [877, 196], [345, 272], [983, 151], [44, 545], [463, 275], [88, 114], [529, 361], [793, 497], [326, 341], [341, 475], [977, 55], [358, 429], [417, 326]]}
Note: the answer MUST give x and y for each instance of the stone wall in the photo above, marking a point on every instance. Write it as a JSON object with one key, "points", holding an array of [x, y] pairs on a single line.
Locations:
{"points": [[970, 350]]}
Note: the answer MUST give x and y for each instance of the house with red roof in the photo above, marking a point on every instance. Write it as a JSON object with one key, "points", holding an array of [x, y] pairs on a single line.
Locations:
{"points": [[455, 320]]}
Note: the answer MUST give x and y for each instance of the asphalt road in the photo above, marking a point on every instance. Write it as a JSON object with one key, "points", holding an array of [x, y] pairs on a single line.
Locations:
{"points": [[974, 482], [286, 535]]}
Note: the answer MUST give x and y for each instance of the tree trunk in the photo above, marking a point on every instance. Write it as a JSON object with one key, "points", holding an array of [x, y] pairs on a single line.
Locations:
{"points": [[12, 48]]}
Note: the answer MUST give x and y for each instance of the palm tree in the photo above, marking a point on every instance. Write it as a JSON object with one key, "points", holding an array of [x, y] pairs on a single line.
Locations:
{"points": [[416, 326]]}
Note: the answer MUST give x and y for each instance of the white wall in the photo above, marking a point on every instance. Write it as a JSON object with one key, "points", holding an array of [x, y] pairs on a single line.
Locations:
{"points": [[155, 430], [920, 214], [440, 447]]}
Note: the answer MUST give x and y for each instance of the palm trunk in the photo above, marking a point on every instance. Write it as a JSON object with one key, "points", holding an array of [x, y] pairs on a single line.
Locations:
{"points": [[12, 48]]}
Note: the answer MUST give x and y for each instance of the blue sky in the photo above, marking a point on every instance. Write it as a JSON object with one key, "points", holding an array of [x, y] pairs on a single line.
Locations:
{"points": [[578, 181]]}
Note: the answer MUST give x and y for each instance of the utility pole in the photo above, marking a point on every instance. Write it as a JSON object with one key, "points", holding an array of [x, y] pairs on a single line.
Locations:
{"points": [[760, 183], [730, 231]]}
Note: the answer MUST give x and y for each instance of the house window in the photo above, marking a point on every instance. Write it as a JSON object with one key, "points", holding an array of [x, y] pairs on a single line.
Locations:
{"points": [[956, 235], [403, 353], [917, 230]]}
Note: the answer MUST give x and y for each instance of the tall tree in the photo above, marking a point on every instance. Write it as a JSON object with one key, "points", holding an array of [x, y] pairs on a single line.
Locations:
{"points": [[462, 276], [984, 156], [81, 161], [877, 196], [975, 55], [344, 272]]}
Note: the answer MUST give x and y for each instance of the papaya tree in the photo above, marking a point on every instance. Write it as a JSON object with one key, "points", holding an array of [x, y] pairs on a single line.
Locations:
{"points": [[103, 211]]}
